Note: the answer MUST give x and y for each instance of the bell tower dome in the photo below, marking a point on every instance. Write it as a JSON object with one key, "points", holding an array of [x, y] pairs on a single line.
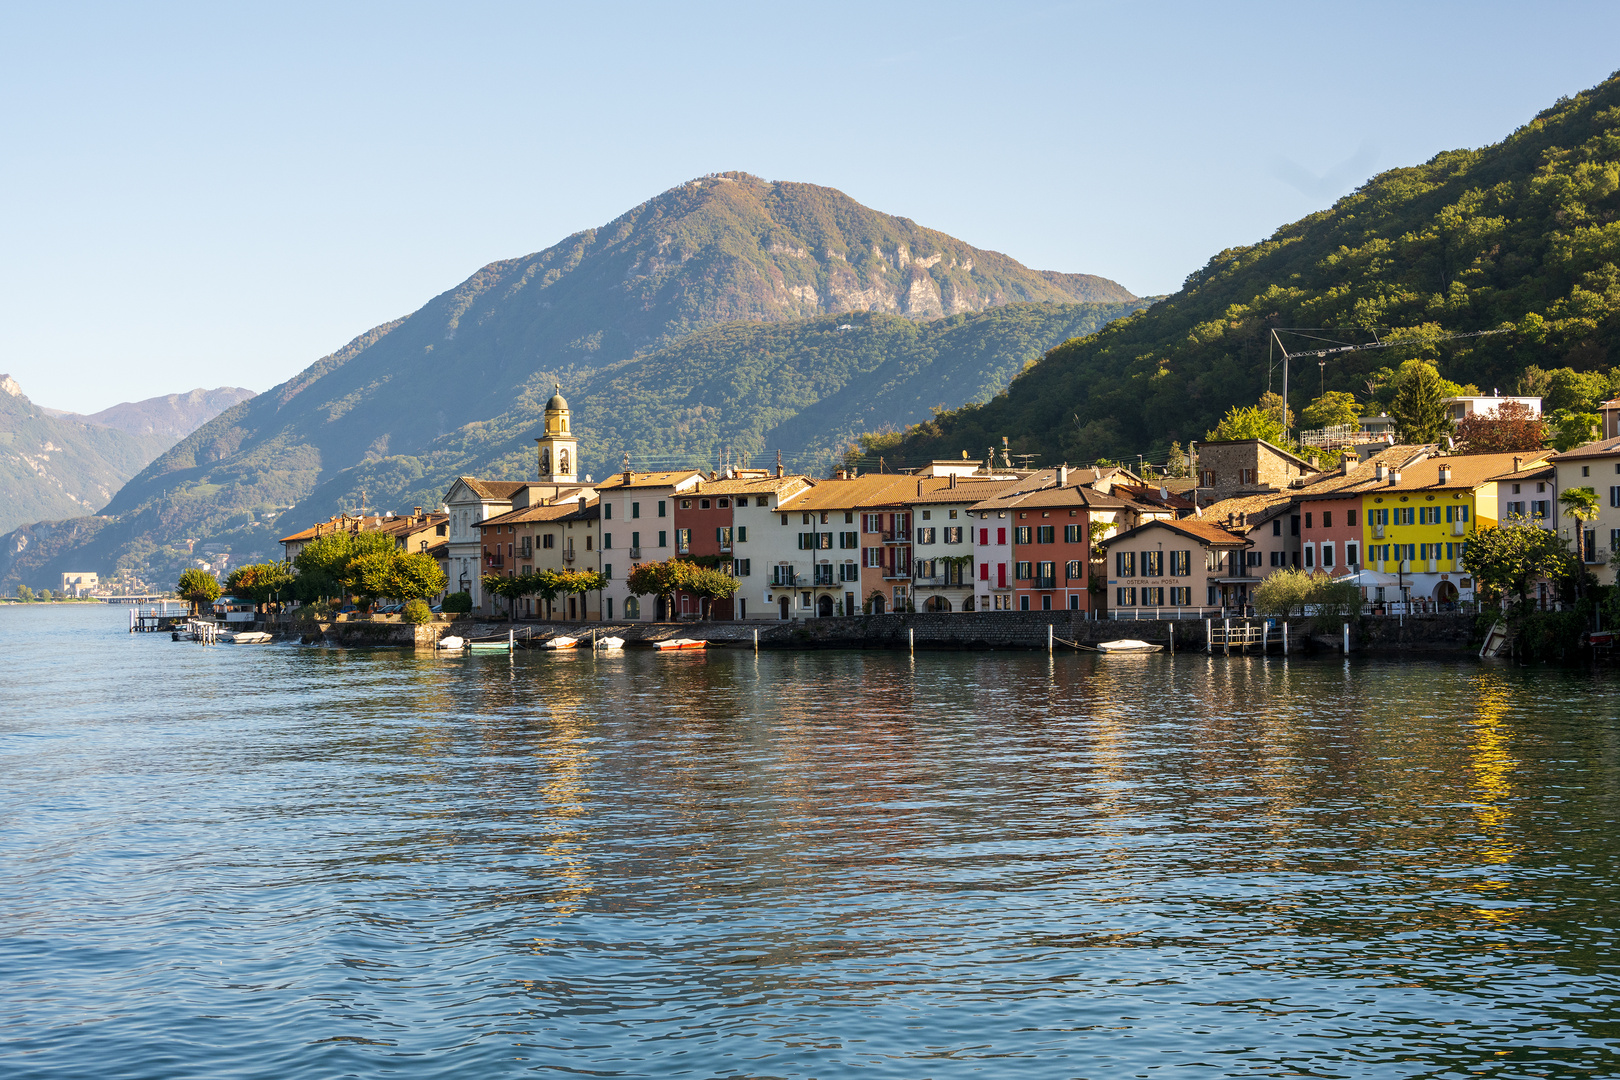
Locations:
{"points": [[559, 451]]}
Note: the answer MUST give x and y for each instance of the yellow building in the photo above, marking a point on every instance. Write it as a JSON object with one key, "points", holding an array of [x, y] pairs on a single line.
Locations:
{"points": [[1416, 522]]}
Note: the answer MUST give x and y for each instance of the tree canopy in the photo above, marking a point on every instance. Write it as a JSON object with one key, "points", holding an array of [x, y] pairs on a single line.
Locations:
{"points": [[1510, 426], [1510, 557], [197, 586]]}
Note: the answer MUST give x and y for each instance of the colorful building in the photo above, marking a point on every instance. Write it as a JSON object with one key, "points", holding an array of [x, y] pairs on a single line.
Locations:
{"points": [[1174, 569], [1597, 466]]}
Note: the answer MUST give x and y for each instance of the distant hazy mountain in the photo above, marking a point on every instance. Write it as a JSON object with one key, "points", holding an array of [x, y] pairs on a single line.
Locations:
{"points": [[172, 417], [58, 467]]}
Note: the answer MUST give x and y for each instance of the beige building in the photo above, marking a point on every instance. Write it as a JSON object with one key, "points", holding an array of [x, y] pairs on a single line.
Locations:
{"points": [[1597, 466], [79, 583], [1175, 569], [552, 534]]}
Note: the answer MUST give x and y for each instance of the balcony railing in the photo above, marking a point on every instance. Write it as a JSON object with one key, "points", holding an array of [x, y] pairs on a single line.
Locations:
{"points": [[1046, 583], [568, 555], [892, 536], [896, 573], [783, 578], [635, 553]]}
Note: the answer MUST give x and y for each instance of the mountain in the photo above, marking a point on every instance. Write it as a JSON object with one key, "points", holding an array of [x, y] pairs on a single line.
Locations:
{"points": [[726, 279], [53, 467], [1524, 234], [171, 417]]}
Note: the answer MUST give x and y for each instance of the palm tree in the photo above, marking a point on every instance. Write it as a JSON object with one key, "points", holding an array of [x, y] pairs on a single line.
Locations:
{"points": [[1581, 504]]}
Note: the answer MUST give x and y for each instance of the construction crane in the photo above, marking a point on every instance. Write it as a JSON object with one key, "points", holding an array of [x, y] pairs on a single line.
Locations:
{"points": [[1340, 347]]}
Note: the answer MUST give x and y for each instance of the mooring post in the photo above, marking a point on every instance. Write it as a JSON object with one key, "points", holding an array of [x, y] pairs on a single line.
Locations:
{"points": [[1265, 638], [1347, 639], [1048, 639], [911, 640], [1209, 638], [1285, 638], [756, 641], [1172, 639], [511, 640], [1226, 635]]}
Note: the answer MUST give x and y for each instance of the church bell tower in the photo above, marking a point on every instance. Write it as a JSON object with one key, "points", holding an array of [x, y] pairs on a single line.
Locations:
{"points": [[559, 452]]}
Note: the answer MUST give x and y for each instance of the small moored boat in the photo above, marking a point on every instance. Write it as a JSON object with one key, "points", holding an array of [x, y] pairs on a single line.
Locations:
{"points": [[1128, 645], [679, 643], [453, 642], [561, 641], [609, 644], [247, 637]]}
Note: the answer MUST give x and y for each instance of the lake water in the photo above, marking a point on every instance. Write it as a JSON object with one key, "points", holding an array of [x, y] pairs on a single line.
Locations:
{"points": [[288, 862]]}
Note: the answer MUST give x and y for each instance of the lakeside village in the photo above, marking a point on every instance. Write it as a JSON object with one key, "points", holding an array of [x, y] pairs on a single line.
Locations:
{"points": [[1390, 528]]}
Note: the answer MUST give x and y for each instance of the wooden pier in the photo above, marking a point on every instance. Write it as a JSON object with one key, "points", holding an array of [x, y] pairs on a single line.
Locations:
{"points": [[1249, 634], [154, 620]]}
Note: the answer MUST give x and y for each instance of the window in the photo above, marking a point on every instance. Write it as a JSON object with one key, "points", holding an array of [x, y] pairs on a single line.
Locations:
{"points": [[607, 541], [635, 509], [1001, 537], [607, 511], [1586, 470], [632, 608], [1516, 508], [686, 504], [807, 541], [1045, 534], [953, 533], [809, 519], [661, 508], [1404, 515], [1153, 596], [742, 567], [1181, 564], [1023, 571], [588, 539], [1153, 564], [784, 519], [1071, 534], [663, 538], [548, 541], [1327, 519], [722, 533], [744, 501], [724, 504], [1001, 575], [1125, 563], [1072, 570], [1023, 603], [849, 540], [1125, 596], [823, 574], [848, 571], [1279, 558], [1539, 508], [635, 540], [1352, 551], [1021, 534], [1181, 595], [1350, 518], [1310, 555], [984, 571], [1614, 496], [925, 536], [872, 557], [872, 523], [683, 540], [984, 537], [1307, 521], [825, 517], [1614, 541], [703, 504], [742, 534], [1293, 525], [1276, 526], [1206, 477], [928, 515], [1046, 573], [608, 613], [1516, 489], [1327, 556], [1428, 515], [1253, 558]]}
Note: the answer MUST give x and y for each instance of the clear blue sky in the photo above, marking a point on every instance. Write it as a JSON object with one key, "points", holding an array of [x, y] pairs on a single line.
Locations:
{"points": [[207, 194]]}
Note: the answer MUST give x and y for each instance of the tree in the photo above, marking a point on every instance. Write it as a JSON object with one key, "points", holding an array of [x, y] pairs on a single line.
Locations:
{"points": [[1332, 409], [1178, 465], [712, 585], [1272, 405], [663, 579], [1571, 429], [1283, 592], [198, 587], [323, 564], [1247, 422], [417, 612], [1508, 558], [1580, 503], [457, 603], [1419, 403], [1574, 391], [25, 594], [258, 582], [397, 575], [1510, 426]]}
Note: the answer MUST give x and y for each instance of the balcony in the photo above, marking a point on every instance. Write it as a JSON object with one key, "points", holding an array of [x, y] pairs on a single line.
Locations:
{"points": [[784, 578], [896, 573], [1459, 528], [1045, 583], [568, 556], [724, 548], [635, 553], [902, 536], [1597, 557], [1378, 532]]}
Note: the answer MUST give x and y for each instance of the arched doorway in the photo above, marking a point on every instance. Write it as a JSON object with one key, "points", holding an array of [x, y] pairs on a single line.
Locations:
{"points": [[661, 610], [1445, 594], [824, 606], [782, 606], [937, 603], [877, 605]]}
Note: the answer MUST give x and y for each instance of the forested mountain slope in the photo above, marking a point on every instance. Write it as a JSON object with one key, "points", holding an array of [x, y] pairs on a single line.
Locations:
{"points": [[1524, 234]]}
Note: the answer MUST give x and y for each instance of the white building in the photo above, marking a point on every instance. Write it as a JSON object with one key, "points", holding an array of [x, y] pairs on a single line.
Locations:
{"points": [[1460, 408]]}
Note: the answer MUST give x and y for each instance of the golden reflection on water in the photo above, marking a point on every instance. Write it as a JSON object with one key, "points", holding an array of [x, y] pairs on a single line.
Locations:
{"points": [[1493, 769]]}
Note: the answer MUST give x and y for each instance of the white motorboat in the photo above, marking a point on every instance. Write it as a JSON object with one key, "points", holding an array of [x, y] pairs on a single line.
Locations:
{"points": [[561, 641], [1128, 645], [609, 644], [674, 644], [247, 637], [452, 642]]}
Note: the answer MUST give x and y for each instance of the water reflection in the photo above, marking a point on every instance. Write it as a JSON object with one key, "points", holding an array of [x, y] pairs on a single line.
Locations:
{"points": [[799, 864]]}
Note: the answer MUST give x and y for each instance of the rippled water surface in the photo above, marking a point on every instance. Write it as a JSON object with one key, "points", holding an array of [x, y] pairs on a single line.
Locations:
{"points": [[282, 862]]}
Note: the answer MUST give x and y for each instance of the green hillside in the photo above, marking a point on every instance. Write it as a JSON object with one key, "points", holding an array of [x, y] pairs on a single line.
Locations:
{"points": [[57, 467], [1525, 233]]}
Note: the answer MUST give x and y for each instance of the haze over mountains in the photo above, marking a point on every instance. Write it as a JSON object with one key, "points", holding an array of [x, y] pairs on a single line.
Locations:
{"points": [[172, 416]]}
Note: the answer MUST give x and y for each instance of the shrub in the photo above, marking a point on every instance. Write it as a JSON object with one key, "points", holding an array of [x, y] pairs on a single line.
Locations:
{"points": [[417, 612], [458, 603]]}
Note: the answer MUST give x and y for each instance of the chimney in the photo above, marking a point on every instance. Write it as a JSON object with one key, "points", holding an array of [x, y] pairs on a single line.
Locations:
{"points": [[919, 489], [1518, 463], [1230, 518], [1344, 465], [843, 474], [1243, 519], [1382, 471], [953, 480], [1394, 477], [1063, 476], [779, 464], [1445, 474], [582, 501]]}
